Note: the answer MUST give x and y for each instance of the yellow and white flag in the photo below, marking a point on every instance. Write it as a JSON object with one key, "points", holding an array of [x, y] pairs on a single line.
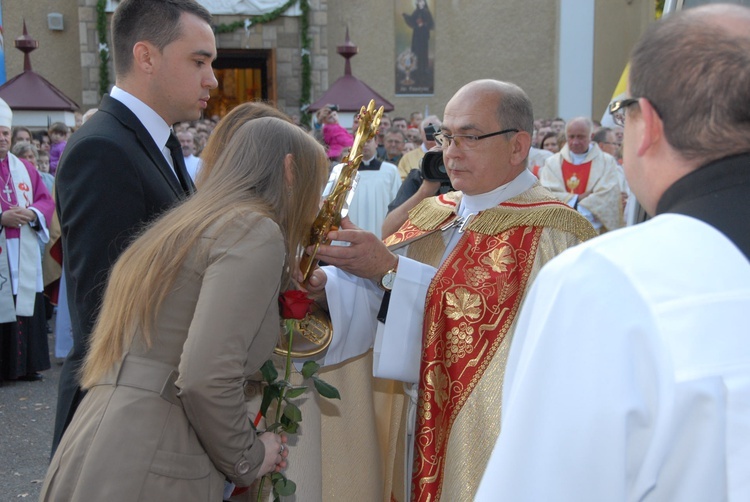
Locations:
{"points": [[620, 93]]}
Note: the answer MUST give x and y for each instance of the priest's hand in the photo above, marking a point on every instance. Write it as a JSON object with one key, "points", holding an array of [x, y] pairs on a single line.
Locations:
{"points": [[366, 256], [17, 217]]}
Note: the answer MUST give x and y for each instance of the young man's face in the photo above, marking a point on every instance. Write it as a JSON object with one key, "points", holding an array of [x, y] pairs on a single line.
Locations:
{"points": [[182, 76]]}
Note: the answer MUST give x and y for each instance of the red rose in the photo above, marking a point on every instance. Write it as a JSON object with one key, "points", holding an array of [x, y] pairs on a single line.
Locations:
{"points": [[294, 304]]}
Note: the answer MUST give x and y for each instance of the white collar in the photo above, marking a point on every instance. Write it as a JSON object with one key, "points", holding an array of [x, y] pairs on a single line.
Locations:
{"points": [[367, 162], [579, 158], [475, 203], [152, 121]]}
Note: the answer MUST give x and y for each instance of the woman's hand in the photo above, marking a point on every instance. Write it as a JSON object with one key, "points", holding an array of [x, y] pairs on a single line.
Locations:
{"points": [[276, 453]]}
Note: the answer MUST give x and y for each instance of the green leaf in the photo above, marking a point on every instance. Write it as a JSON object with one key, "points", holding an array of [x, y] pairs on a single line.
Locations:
{"points": [[295, 392], [309, 369], [292, 413], [275, 426], [290, 427], [284, 487], [269, 371], [270, 392], [325, 389]]}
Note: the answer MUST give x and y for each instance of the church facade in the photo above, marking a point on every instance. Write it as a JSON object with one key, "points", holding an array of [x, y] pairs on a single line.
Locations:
{"points": [[568, 55]]}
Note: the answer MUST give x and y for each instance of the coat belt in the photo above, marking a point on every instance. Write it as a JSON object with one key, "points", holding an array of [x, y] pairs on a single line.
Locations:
{"points": [[146, 374]]}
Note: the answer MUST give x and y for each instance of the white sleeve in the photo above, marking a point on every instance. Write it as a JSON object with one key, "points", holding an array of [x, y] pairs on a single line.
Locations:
{"points": [[42, 232], [398, 345], [353, 304], [583, 390]]}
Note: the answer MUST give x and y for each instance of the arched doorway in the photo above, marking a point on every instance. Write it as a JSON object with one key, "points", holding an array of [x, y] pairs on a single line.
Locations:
{"points": [[243, 75]]}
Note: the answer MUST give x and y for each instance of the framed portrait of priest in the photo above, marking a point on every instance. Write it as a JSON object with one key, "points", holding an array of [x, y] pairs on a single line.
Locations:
{"points": [[415, 65]]}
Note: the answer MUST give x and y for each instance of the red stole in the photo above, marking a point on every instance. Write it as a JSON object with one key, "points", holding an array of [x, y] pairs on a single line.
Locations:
{"points": [[576, 177], [471, 304], [470, 307]]}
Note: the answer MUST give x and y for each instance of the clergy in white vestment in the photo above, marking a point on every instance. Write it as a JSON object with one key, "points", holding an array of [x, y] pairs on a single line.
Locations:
{"points": [[26, 207], [585, 177], [629, 375], [449, 300]]}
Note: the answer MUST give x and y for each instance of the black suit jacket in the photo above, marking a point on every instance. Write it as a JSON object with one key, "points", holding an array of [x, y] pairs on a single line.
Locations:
{"points": [[111, 181]]}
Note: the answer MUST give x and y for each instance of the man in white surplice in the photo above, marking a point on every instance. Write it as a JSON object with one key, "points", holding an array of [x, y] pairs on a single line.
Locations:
{"points": [[629, 377], [377, 186], [461, 287]]}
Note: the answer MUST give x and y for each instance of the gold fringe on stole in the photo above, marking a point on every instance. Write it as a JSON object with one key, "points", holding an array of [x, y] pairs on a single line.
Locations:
{"points": [[431, 212], [499, 219], [538, 209]]}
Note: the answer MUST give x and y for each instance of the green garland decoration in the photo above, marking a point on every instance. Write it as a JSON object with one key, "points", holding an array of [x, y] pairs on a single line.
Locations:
{"points": [[306, 75], [101, 28]]}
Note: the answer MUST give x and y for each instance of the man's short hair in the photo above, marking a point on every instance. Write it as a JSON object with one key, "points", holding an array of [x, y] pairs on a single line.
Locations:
{"points": [[155, 21], [575, 120], [601, 135], [696, 75], [514, 110], [396, 130], [430, 119]]}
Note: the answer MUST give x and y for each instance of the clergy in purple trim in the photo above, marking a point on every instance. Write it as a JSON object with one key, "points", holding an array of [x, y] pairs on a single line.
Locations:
{"points": [[25, 206]]}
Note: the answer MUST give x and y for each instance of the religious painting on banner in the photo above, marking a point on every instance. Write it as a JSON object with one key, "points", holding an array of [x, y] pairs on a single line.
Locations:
{"points": [[415, 64]]}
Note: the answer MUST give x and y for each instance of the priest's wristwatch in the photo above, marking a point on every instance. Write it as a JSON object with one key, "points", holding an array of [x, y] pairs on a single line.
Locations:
{"points": [[386, 284]]}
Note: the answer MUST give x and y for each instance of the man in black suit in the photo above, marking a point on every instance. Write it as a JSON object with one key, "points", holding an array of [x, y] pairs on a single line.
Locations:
{"points": [[124, 167]]}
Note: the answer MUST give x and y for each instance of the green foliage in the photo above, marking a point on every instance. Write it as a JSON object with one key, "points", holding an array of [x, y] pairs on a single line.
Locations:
{"points": [[101, 28], [288, 414], [282, 486], [325, 389], [305, 76], [309, 369], [295, 392], [268, 370]]}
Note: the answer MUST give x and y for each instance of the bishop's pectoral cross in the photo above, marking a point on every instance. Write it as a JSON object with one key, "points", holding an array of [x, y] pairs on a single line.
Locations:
{"points": [[7, 191]]}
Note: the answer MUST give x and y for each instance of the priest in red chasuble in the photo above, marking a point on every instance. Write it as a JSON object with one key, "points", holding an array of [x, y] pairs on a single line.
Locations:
{"points": [[438, 306], [585, 178]]}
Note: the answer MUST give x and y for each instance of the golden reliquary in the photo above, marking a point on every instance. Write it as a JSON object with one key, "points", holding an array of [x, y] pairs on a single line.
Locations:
{"points": [[313, 334]]}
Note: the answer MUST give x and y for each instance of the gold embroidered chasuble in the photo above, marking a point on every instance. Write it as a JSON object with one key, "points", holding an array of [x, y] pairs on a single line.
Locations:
{"points": [[470, 310]]}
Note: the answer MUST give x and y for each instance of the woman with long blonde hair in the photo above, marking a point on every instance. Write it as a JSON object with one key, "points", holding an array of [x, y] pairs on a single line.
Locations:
{"points": [[190, 311]]}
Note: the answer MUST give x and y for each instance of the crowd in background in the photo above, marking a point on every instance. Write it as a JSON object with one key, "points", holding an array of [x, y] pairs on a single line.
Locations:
{"points": [[393, 184]]}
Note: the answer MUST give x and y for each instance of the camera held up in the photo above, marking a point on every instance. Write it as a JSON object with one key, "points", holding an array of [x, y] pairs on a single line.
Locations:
{"points": [[433, 168]]}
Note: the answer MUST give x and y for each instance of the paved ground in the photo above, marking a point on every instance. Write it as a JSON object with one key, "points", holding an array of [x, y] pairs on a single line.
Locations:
{"points": [[27, 416]]}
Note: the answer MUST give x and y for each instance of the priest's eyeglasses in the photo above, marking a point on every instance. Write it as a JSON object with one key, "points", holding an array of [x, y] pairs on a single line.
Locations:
{"points": [[617, 110], [467, 141]]}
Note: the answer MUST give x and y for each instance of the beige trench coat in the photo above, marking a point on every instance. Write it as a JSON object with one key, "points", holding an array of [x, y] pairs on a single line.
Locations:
{"points": [[170, 423]]}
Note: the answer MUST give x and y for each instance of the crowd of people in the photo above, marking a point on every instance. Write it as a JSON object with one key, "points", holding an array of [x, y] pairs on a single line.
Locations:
{"points": [[496, 331]]}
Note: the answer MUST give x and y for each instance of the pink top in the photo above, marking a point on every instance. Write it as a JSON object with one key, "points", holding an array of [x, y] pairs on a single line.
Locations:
{"points": [[42, 200], [337, 138]]}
